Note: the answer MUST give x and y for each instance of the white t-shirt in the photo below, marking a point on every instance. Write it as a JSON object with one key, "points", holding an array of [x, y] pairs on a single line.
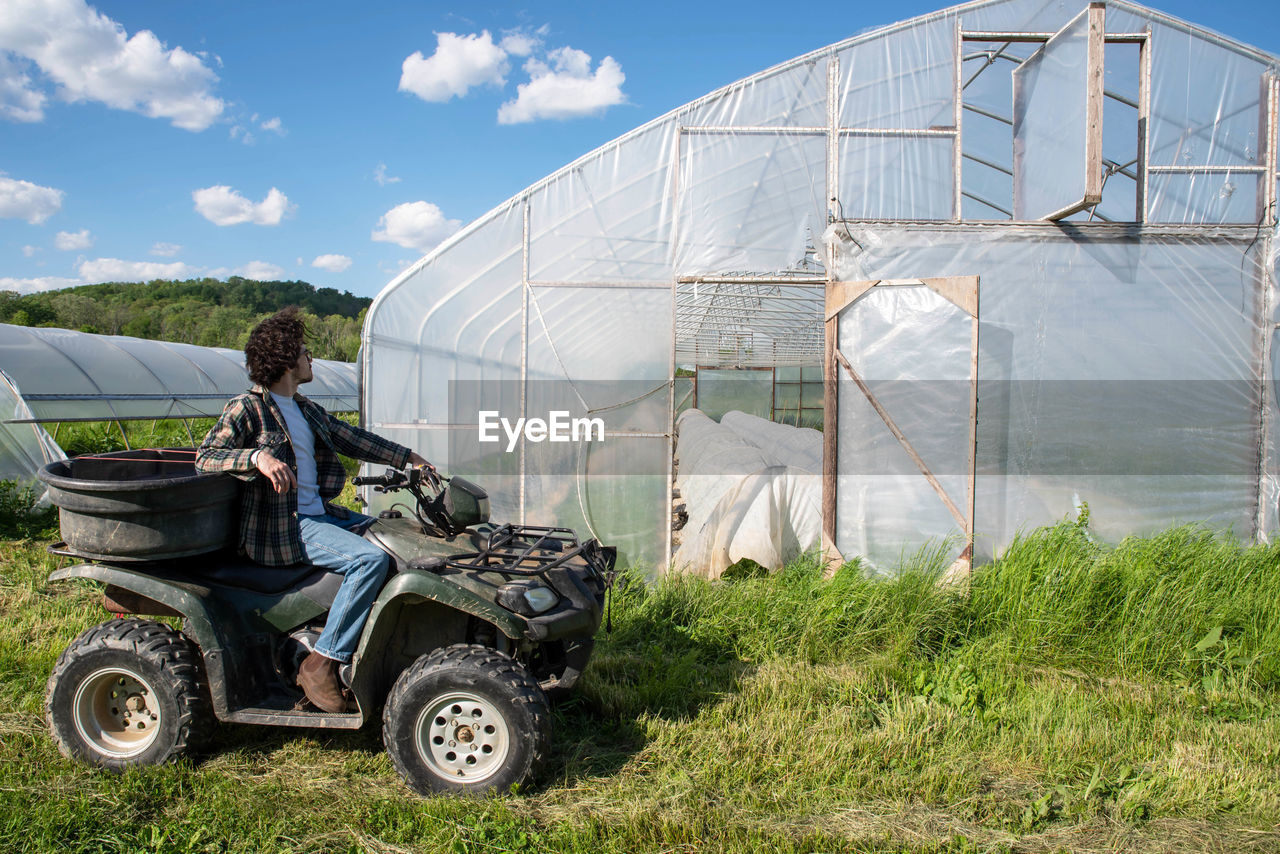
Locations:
{"points": [[304, 449]]}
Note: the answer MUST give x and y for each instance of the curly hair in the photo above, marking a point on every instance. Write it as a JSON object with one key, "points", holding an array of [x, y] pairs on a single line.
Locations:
{"points": [[274, 345]]}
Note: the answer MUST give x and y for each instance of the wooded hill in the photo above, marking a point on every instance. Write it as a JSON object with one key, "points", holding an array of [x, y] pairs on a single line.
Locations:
{"points": [[207, 312]]}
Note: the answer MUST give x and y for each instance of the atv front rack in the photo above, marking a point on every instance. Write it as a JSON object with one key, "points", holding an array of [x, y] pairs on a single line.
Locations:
{"points": [[532, 550]]}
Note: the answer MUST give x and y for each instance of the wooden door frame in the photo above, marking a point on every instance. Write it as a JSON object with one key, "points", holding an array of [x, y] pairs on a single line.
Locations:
{"points": [[961, 291]]}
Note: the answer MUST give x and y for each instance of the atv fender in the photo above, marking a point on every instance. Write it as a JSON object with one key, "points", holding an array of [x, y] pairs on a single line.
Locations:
{"points": [[415, 613], [421, 584], [199, 624]]}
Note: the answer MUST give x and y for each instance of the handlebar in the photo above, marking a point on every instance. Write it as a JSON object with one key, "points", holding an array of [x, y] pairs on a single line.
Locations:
{"points": [[388, 479], [393, 479], [430, 505]]}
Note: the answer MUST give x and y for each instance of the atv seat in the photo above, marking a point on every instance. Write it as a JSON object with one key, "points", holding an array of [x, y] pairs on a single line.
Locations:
{"points": [[222, 568], [241, 572], [316, 583]]}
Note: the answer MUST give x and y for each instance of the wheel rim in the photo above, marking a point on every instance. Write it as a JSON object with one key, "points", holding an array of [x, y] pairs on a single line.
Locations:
{"points": [[116, 712], [462, 737]]}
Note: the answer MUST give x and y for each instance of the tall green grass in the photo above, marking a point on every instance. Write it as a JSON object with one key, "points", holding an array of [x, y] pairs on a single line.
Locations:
{"points": [[100, 437], [1072, 696], [1069, 686], [1159, 606], [1163, 606]]}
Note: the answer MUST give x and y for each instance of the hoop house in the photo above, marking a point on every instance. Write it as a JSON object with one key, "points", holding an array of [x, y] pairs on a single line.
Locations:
{"points": [[56, 375], [1025, 250], [78, 376]]}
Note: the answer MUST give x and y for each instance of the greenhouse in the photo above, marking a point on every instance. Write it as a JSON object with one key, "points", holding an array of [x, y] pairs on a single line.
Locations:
{"points": [[59, 375], [1016, 259]]}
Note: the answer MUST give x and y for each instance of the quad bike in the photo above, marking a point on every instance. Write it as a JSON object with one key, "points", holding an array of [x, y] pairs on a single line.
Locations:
{"points": [[476, 624]]}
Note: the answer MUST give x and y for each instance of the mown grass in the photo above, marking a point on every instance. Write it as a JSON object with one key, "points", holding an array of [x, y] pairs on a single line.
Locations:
{"points": [[1075, 697]]}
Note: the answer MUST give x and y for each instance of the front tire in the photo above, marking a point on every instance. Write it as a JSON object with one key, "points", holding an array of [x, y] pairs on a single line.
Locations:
{"points": [[128, 692], [466, 719]]}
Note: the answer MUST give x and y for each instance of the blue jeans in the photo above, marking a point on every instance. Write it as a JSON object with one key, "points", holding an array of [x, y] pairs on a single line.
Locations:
{"points": [[363, 567]]}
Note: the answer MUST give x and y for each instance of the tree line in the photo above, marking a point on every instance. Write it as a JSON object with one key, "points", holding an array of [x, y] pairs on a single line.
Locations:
{"points": [[205, 312]]}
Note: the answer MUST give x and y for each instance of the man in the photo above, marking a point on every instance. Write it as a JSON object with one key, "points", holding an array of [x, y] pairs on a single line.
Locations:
{"points": [[286, 448]]}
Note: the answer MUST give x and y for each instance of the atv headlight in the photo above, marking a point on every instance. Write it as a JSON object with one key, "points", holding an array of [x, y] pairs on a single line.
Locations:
{"points": [[527, 597]]}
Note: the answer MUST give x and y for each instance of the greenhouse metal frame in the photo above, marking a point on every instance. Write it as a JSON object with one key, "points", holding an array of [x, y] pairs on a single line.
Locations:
{"points": [[1106, 172]]}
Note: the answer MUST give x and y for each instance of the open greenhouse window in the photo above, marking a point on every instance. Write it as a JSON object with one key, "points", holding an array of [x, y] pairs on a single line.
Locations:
{"points": [[1052, 124], [798, 395]]}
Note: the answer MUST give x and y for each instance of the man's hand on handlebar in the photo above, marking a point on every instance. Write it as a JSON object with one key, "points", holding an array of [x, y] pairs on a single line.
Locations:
{"points": [[418, 471], [427, 472], [281, 476]]}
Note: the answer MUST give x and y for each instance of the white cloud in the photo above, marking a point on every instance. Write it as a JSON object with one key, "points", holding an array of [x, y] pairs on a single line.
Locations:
{"points": [[24, 200], [561, 83], [31, 286], [115, 270], [222, 205], [91, 58], [380, 175], [564, 89], [165, 250], [274, 125], [521, 43], [415, 225], [29, 251], [332, 263], [68, 241], [238, 132], [260, 271], [19, 99], [459, 63]]}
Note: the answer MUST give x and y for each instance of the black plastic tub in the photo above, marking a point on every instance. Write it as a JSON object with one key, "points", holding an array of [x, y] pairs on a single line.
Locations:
{"points": [[141, 505]]}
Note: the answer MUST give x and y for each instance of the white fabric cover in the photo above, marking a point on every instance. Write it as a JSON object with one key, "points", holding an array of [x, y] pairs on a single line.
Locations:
{"points": [[742, 501], [798, 447]]}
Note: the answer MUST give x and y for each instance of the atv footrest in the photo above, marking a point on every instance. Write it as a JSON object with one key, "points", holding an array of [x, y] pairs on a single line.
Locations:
{"points": [[287, 708], [295, 717]]}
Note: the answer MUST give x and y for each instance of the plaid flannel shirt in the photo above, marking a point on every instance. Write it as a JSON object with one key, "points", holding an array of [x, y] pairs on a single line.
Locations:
{"points": [[269, 520]]}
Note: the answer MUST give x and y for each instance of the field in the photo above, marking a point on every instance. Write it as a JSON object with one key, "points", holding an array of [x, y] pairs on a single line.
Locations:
{"points": [[1075, 698]]}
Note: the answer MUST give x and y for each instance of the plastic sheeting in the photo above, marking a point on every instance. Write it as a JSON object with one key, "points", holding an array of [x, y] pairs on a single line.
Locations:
{"points": [[1123, 372], [723, 391], [745, 502], [78, 376], [705, 238], [798, 395], [24, 447]]}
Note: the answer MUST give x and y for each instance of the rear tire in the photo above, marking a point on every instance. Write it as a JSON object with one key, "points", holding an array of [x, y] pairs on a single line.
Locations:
{"points": [[128, 692], [466, 719]]}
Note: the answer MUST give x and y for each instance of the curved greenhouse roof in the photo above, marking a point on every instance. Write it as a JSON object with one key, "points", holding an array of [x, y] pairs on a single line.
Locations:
{"points": [[78, 376], [1108, 174]]}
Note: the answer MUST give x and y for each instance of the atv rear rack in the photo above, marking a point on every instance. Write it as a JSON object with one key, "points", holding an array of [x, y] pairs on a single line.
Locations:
{"points": [[528, 550]]}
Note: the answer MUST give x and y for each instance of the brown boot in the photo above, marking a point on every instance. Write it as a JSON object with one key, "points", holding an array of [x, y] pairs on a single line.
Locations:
{"points": [[318, 678]]}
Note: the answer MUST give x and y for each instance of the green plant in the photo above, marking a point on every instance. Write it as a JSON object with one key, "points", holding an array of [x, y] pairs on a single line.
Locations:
{"points": [[96, 437], [20, 517], [957, 687]]}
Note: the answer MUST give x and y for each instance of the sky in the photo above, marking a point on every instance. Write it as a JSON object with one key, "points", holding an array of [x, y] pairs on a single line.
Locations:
{"points": [[335, 144]]}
